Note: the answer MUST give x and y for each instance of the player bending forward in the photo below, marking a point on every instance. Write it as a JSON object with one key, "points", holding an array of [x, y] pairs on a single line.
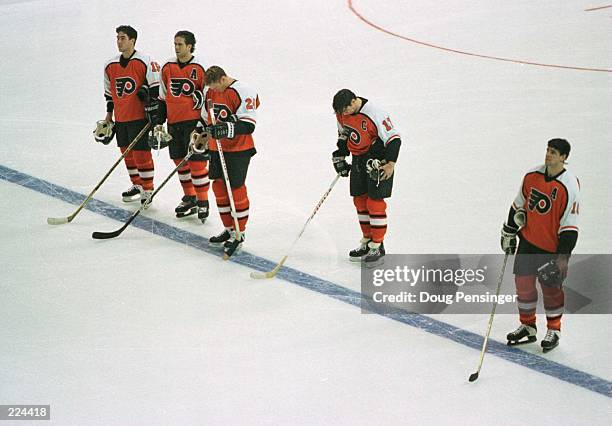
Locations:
{"points": [[234, 106], [366, 132]]}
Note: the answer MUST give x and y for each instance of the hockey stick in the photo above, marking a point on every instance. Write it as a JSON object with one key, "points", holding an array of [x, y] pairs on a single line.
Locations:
{"points": [[226, 178], [474, 376], [106, 235], [270, 274], [67, 219]]}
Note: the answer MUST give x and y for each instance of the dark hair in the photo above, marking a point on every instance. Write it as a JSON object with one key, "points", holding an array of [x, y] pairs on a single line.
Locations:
{"points": [[342, 99], [214, 74], [560, 145], [188, 37], [127, 30]]}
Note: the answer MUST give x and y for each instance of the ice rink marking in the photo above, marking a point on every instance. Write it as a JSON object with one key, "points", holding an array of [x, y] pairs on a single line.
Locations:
{"points": [[319, 285], [461, 52]]}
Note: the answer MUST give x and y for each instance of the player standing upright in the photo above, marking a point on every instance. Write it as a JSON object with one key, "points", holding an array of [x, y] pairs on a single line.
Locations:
{"points": [[182, 97], [235, 107], [546, 212], [131, 86], [366, 132]]}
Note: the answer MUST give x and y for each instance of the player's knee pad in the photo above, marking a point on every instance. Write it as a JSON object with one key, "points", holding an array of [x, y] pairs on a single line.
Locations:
{"points": [[198, 166], [143, 157], [378, 207], [525, 286], [219, 189], [361, 202]]}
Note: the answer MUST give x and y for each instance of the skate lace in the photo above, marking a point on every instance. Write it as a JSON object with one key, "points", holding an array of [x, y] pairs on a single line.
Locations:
{"points": [[550, 335]]}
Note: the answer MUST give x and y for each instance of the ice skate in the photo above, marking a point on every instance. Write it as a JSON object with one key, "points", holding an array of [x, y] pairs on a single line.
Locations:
{"points": [[356, 254], [132, 194], [202, 206], [187, 207], [522, 335], [221, 238], [551, 340], [375, 253]]}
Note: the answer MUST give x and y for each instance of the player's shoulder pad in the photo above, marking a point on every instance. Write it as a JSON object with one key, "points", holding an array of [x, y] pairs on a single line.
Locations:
{"points": [[243, 90], [143, 57], [112, 60], [375, 113], [570, 181], [197, 60]]}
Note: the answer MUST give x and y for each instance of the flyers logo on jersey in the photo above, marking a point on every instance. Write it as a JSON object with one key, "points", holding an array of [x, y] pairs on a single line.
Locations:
{"points": [[125, 86], [181, 86], [223, 113], [354, 136], [539, 201]]}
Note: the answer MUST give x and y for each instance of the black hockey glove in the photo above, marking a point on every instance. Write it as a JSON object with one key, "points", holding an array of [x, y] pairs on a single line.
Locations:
{"points": [[151, 111], [341, 166], [198, 99], [550, 275], [143, 93], [508, 239], [223, 130]]}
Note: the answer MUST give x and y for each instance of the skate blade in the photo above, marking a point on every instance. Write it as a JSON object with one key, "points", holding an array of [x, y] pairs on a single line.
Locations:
{"points": [[546, 350], [131, 199], [529, 339], [356, 259], [189, 213]]}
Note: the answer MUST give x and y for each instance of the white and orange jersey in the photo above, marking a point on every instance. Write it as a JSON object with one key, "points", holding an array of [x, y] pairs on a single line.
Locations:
{"points": [[237, 102], [122, 84], [178, 83], [552, 206], [369, 124]]}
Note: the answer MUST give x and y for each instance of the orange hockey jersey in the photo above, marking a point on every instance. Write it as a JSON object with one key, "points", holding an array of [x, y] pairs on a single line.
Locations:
{"points": [[365, 127], [178, 83], [122, 83], [237, 102], [552, 206]]}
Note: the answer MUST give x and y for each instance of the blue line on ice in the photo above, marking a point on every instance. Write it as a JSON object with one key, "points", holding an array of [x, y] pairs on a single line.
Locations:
{"points": [[328, 288]]}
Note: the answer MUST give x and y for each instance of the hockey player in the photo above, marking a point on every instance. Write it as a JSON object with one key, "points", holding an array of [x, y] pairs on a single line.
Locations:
{"points": [[366, 132], [235, 107], [181, 100], [545, 217], [131, 85]]}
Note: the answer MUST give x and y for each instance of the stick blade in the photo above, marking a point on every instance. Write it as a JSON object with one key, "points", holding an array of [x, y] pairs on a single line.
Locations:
{"points": [[57, 220], [473, 377], [256, 275], [105, 235]]}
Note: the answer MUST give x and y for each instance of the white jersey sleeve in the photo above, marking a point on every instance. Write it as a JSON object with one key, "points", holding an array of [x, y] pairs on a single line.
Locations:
{"points": [[386, 130], [519, 200], [569, 220], [249, 102], [107, 82], [163, 90], [153, 69]]}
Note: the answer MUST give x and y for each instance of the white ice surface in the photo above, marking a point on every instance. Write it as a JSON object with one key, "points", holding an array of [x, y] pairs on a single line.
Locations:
{"points": [[143, 330]]}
